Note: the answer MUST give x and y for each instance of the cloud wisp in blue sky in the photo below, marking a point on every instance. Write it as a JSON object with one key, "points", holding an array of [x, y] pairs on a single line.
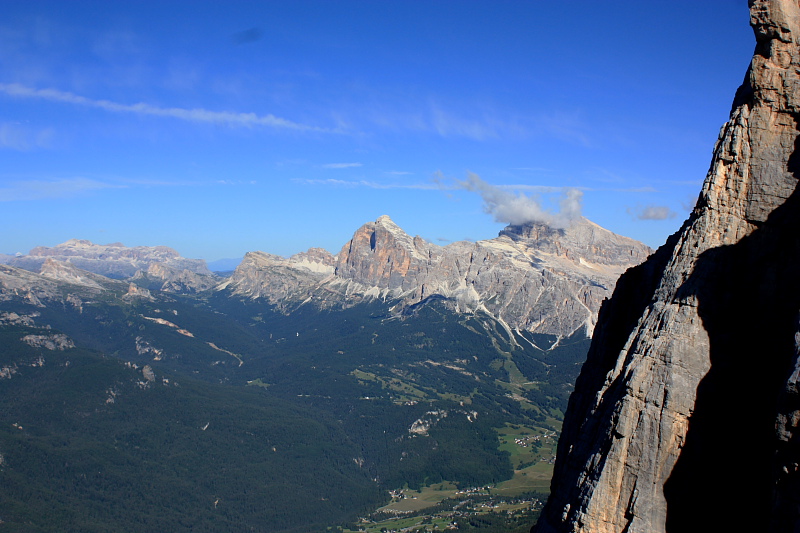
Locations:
{"points": [[277, 126], [63, 189], [191, 115]]}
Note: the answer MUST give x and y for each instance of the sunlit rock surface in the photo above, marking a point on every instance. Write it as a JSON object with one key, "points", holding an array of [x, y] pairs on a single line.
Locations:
{"points": [[531, 277], [685, 415]]}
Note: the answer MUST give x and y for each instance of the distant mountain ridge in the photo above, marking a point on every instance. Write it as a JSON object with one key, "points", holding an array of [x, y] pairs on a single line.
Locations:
{"points": [[113, 260], [532, 277]]}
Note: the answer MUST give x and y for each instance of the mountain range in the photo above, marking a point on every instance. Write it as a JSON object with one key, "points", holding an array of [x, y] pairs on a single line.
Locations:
{"points": [[533, 277], [394, 363]]}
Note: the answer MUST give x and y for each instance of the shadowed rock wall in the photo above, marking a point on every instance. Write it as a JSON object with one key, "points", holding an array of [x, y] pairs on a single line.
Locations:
{"points": [[686, 412]]}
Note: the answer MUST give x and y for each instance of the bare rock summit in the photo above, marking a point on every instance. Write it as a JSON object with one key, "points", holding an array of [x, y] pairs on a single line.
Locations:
{"points": [[533, 278]]}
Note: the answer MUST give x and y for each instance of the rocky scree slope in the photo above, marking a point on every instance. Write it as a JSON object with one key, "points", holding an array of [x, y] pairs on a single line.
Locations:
{"points": [[685, 415], [532, 277]]}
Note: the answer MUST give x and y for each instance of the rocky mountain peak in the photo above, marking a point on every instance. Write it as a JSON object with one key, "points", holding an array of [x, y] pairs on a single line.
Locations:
{"points": [[527, 281], [582, 240], [67, 273], [691, 387], [315, 259], [381, 254]]}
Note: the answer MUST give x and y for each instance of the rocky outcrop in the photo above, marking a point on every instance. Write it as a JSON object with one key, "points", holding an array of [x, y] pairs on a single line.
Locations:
{"points": [[136, 292], [685, 416], [277, 279], [16, 283], [531, 277], [68, 273], [112, 260], [168, 279], [53, 341], [57, 281]]}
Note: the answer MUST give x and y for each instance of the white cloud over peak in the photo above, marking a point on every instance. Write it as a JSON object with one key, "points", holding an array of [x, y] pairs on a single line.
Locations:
{"points": [[516, 209]]}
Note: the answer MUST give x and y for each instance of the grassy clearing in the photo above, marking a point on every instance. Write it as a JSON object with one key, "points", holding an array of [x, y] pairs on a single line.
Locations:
{"points": [[257, 383], [405, 392], [534, 478], [413, 500], [531, 451], [465, 400], [430, 523]]}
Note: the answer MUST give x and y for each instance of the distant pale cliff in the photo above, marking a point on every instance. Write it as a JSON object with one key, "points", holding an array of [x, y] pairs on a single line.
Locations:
{"points": [[533, 277], [156, 267], [112, 260], [685, 416]]}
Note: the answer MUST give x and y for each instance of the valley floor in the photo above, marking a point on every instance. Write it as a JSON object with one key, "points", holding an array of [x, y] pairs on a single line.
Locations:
{"points": [[506, 506]]}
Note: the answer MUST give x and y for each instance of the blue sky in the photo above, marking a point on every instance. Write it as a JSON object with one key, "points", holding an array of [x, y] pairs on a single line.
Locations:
{"points": [[220, 128]]}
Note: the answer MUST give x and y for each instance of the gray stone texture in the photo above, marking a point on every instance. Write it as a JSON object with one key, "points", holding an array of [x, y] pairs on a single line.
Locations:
{"points": [[685, 415]]}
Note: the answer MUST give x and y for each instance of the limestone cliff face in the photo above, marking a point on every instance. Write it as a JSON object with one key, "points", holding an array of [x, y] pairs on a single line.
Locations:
{"points": [[382, 255], [176, 280], [68, 273], [532, 277], [278, 280], [58, 281], [685, 416]]}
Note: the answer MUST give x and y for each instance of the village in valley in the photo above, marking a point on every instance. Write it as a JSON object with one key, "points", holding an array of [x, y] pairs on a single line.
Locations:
{"points": [[444, 506]]}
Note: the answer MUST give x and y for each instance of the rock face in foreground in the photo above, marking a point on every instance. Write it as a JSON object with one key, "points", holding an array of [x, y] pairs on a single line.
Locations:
{"points": [[532, 277], [685, 416]]}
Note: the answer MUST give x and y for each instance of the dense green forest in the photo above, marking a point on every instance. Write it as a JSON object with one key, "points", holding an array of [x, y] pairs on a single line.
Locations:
{"points": [[246, 418]]}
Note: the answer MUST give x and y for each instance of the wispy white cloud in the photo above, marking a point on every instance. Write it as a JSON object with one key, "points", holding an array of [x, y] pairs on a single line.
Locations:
{"points": [[533, 169], [18, 189], [645, 189], [17, 137], [533, 188], [236, 182], [603, 175], [191, 115], [689, 202], [553, 188], [152, 182], [341, 165], [566, 126], [51, 189], [652, 212], [406, 114], [368, 184], [517, 209], [448, 124]]}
